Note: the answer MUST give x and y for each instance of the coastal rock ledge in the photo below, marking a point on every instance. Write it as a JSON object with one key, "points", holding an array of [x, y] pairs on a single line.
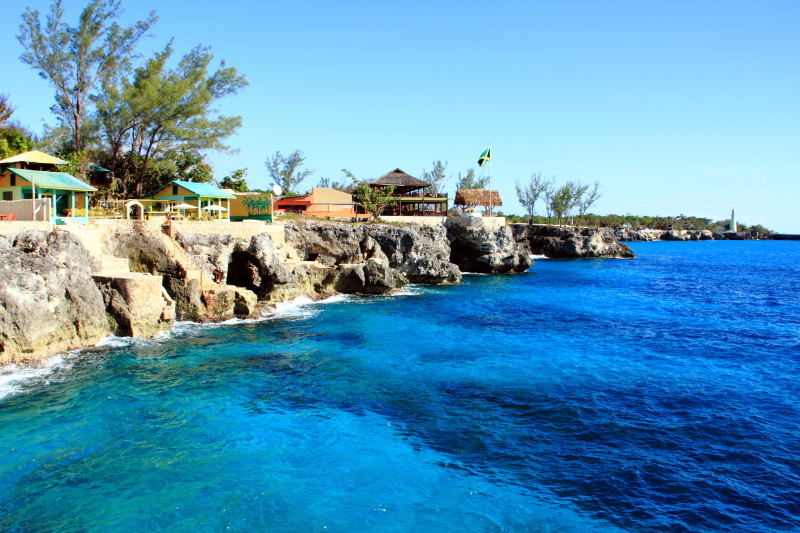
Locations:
{"points": [[569, 242]]}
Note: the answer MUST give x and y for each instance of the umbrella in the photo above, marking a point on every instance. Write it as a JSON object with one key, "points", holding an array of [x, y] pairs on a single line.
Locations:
{"points": [[215, 208], [183, 206]]}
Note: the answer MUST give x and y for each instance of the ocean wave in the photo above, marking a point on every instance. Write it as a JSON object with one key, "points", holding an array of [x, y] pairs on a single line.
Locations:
{"points": [[16, 378], [537, 257], [408, 290]]}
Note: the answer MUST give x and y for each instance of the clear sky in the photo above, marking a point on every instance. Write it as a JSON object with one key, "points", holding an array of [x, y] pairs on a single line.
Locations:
{"points": [[678, 107]]}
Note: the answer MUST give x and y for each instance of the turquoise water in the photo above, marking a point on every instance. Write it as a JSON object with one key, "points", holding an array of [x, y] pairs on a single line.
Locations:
{"points": [[655, 394]]}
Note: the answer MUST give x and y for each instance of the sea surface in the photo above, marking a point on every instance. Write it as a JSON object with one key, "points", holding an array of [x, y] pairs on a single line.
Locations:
{"points": [[655, 394]]}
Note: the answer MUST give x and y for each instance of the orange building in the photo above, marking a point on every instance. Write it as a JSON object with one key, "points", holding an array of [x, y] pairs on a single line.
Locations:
{"points": [[321, 203]]}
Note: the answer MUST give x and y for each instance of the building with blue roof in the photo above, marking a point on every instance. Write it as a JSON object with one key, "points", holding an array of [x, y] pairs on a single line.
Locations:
{"points": [[203, 195]]}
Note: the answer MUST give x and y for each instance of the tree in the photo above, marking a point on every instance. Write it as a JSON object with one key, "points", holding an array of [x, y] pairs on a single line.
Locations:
{"points": [[435, 177], [160, 113], [236, 181], [73, 60], [591, 196], [13, 142], [285, 171], [566, 198], [373, 199], [6, 110], [346, 185], [78, 165], [530, 193], [469, 181]]}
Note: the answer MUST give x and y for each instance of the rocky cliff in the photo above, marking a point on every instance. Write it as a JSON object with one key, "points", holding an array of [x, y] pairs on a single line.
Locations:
{"points": [[568, 242], [487, 250], [50, 301], [319, 260]]}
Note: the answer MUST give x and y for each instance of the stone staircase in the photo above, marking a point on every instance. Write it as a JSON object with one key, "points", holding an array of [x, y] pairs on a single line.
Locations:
{"points": [[143, 292], [245, 300]]}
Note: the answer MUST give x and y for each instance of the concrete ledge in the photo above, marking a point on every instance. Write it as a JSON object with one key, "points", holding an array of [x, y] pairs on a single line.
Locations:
{"points": [[18, 226], [422, 221], [476, 222]]}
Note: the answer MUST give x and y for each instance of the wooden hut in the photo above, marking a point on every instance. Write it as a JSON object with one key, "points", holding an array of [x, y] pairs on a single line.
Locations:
{"points": [[409, 197], [476, 197]]}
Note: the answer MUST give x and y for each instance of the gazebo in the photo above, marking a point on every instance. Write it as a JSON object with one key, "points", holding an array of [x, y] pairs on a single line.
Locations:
{"points": [[475, 197], [408, 198]]}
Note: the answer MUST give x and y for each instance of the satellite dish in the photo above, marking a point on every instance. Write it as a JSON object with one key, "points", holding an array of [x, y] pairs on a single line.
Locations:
{"points": [[277, 189]]}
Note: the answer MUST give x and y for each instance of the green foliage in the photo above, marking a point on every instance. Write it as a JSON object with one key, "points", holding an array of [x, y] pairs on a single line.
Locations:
{"points": [[285, 171], [13, 142], [75, 59], [528, 194], [236, 181], [161, 112], [77, 164], [373, 199], [435, 177], [469, 181]]}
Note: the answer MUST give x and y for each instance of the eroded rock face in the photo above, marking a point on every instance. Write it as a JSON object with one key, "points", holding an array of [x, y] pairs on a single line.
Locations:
{"points": [[487, 250], [418, 254], [48, 299], [567, 242]]}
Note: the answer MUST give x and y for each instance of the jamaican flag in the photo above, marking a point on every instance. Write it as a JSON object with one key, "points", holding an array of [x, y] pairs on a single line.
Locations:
{"points": [[485, 156]]}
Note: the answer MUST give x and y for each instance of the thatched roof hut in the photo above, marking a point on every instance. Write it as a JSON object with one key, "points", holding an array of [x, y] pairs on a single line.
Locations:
{"points": [[478, 197], [401, 181]]}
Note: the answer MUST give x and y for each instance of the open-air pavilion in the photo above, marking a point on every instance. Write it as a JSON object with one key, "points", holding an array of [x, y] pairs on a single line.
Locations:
{"points": [[409, 198]]}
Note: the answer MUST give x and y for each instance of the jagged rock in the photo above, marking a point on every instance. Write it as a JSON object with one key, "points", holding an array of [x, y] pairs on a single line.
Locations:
{"points": [[48, 299], [421, 253], [134, 304], [638, 235], [486, 250], [565, 242], [687, 235]]}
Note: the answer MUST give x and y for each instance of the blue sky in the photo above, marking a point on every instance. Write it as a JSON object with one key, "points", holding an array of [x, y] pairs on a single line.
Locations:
{"points": [[674, 107]]}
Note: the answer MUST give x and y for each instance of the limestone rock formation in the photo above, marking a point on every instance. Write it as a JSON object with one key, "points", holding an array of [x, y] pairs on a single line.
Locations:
{"points": [[418, 254], [487, 250], [48, 299], [565, 242], [320, 260]]}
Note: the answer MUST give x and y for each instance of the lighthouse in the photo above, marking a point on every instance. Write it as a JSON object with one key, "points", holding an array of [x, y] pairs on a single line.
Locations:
{"points": [[733, 227]]}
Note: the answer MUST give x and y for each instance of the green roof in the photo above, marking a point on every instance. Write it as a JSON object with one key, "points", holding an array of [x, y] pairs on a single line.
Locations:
{"points": [[52, 180], [203, 189]]}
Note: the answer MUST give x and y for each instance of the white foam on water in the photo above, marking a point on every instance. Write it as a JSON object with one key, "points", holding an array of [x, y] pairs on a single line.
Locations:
{"points": [[14, 379], [112, 341], [475, 274], [338, 298], [537, 257], [300, 307], [408, 290]]}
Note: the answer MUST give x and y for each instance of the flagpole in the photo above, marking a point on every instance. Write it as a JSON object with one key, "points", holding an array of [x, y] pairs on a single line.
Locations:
{"points": [[490, 179]]}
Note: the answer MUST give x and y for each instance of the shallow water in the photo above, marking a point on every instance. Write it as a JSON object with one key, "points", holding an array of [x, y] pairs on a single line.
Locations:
{"points": [[655, 394]]}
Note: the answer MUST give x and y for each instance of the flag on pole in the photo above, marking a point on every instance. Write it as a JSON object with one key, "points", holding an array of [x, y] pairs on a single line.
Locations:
{"points": [[485, 156]]}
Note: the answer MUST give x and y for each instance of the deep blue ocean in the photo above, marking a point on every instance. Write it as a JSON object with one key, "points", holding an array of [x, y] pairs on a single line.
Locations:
{"points": [[655, 394]]}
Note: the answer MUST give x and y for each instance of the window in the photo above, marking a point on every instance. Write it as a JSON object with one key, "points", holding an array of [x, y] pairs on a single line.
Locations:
{"points": [[13, 180], [8, 196], [174, 190]]}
